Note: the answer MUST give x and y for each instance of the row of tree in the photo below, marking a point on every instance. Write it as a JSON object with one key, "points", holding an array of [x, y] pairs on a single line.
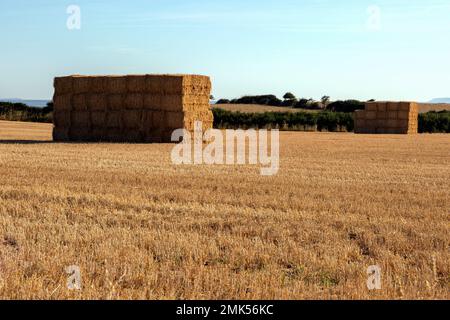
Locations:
{"points": [[22, 112], [290, 100]]}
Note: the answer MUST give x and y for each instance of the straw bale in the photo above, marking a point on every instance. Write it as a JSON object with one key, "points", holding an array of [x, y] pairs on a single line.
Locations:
{"points": [[115, 102], [63, 85], [136, 83], [134, 101], [174, 119], [382, 106], [382, 115], [80, 119], [117, 84], [391, 123], [81, 84], [99, 85], [172, 84], [113, 119], [132, 135], [79, 102], [96, 102], [370, 115], [98, 134], [153, 85], [172, 102], [403, 115], [130, 108], [62, 102], [392, 114], [80, 133], [61, 134], [158, 119], [152, 101], [98, 119], [61, 119], [393, 106], [132, 119], [371, 106], [113, 135]]}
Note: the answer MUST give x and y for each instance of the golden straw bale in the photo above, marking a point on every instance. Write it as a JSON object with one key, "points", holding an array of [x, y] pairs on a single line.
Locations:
{"points": [[132, 118], [79, 102], [80, 119], [136, 83], [98, 133], [61, 119], [116, 102], [61, 134], [371, 106], [117, 84], [392, 114], [172, 84], [96, 102], [153, 85], [174, 119], [382, 106], [403, 115], [370, 115], [152, 101], [391, 123], [158, 119], [414, 107], [404, 106], [63, 85], [382, 114], [99, 84], [132, 135], [113, 135], [393, 106], [81, 84], [172, 102], [113, 119], [62, 102], [359, 114], [134, 101], [98, 119]]}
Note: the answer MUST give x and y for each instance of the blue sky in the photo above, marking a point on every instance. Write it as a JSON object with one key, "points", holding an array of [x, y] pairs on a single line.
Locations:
{"points": [[385, 49]]}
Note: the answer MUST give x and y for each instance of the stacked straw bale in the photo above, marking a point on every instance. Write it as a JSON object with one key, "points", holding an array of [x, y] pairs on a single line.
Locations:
{"points": [[387, 118], [133, 108]]}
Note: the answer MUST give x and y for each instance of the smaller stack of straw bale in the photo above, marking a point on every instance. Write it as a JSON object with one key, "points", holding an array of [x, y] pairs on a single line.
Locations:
{"points": [[387, 118]]}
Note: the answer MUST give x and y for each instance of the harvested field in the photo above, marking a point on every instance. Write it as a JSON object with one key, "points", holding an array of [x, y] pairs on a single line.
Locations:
{"points": [[427, 107], [139, 227], [251, 108]]}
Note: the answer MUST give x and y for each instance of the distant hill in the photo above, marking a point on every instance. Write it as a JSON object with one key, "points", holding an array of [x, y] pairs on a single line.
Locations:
{"points": [[440, 100], [30, 103]]}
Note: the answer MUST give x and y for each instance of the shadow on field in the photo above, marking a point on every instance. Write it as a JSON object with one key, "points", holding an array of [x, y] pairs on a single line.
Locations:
{"points": [[25, 141]]}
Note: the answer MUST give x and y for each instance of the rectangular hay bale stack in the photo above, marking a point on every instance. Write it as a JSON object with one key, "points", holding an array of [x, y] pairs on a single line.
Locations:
{"points": [[137, 108], [388, 118]]}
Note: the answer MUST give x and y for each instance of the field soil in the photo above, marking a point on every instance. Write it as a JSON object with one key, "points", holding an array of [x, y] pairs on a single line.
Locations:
{"points": [[139, 227]]}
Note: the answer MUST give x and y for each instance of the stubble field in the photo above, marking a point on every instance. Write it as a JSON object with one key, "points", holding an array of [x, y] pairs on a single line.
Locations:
{"points": [[141, 228]]}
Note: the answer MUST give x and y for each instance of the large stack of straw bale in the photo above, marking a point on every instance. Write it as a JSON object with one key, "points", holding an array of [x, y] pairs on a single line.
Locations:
{"points": [[388, 118], [133, 108]]}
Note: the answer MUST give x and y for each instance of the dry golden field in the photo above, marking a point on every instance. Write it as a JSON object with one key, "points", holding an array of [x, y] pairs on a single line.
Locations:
{"points": [[142, 228]]}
